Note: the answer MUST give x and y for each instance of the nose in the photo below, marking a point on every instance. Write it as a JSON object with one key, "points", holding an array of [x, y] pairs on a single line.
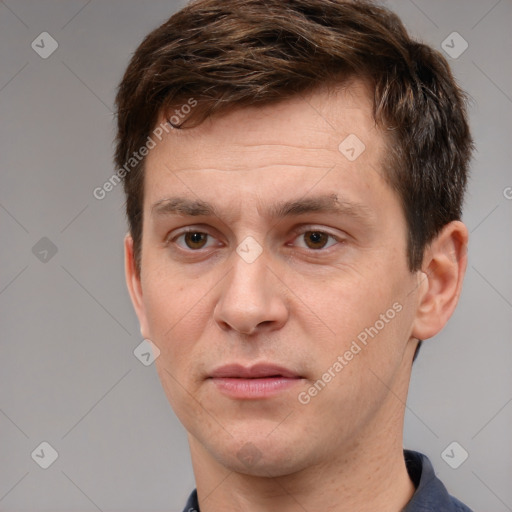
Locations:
{"points": [[252, 299]]}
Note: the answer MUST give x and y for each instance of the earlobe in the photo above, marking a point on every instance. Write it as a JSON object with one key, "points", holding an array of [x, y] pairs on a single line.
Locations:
{"points": [[133, 282], [443, 270]]}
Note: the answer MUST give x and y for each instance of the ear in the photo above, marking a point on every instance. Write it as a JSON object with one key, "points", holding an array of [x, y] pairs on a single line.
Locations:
{"points": [[133, 282], [443, 269]]}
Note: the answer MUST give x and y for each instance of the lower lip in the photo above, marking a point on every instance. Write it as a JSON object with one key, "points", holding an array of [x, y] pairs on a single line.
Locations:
{"points": [[254, 388]]}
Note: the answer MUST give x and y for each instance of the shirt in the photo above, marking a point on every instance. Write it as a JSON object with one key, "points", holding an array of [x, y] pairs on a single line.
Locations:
{"points": [[430, 495]]}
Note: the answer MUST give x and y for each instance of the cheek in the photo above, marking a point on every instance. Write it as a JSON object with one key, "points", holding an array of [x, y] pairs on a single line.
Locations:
{"points": [[369, 307], [175, 313], [347, 300], [177, 319]]}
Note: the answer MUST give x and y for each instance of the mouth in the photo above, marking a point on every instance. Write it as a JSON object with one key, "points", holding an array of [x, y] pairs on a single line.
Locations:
{"points": [[255, 382]]}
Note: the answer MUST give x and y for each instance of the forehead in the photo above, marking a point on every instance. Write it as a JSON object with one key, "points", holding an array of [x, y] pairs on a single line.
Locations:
{"points": [[289, 144]]}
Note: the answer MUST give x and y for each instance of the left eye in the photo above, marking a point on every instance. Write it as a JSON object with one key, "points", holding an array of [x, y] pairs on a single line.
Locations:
{"points": [[315, 240]]}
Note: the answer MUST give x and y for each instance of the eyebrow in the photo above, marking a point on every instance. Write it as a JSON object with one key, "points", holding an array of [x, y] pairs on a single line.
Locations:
{"points": [[320, 204], [183, 206]]}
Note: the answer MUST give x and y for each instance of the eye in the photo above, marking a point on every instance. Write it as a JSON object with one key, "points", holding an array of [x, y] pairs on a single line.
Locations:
{"points": [[315, 240], [194, 240]]}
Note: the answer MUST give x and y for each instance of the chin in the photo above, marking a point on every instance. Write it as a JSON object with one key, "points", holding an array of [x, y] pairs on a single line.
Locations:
{"points": [[261, 456]]}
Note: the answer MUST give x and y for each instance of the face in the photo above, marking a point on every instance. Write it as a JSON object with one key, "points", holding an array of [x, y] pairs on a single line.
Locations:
{"points": [[274, 281]]}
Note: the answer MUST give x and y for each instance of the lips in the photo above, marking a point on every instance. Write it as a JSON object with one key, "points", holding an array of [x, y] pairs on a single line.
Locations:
{"points": [[259, 371], [255, 382]]}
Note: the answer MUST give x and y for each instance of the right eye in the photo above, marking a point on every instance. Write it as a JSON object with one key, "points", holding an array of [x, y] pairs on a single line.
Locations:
{"points": [[194, 240]]}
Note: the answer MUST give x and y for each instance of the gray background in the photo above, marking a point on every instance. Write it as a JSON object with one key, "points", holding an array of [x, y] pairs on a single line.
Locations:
{"points": [[68, 373]]}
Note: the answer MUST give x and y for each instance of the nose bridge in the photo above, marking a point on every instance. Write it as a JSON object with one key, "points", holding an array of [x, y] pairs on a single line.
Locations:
{"points": [[249, 296], [248, 278]]}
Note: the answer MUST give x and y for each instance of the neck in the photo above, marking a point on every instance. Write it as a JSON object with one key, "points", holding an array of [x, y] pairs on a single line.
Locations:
{"points": [[375, 484]]}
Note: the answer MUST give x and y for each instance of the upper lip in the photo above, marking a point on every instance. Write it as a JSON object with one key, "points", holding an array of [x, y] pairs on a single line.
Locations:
{"points": [[262, 370]]}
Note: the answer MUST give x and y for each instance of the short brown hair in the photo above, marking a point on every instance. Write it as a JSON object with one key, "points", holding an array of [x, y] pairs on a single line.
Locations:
{"points": [[227, 54]]}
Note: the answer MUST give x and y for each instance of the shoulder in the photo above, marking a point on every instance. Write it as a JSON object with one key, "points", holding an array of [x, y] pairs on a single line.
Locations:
{"points": [[431, 494], [192, 503], [458, 506]]}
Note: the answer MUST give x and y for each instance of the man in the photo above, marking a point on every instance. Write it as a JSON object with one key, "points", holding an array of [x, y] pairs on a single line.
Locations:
{"points": [[294, 173]]}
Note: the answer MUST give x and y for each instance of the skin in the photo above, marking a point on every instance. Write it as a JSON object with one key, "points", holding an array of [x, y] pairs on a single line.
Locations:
{"points": [[295, 306]]}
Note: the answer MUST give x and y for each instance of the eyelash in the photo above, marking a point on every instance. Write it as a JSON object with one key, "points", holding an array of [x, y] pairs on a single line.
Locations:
{"points": [[297, 233]]}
